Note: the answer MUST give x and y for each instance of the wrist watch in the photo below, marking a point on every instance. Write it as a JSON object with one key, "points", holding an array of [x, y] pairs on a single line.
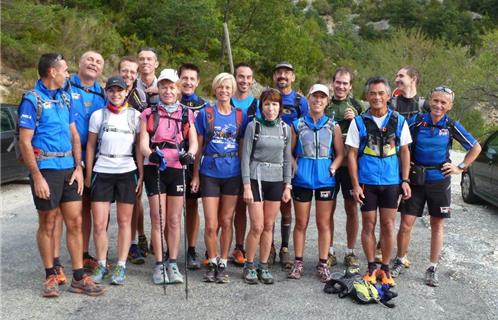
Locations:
{"points": [[406, 181], [288, 186], [462, 166]]}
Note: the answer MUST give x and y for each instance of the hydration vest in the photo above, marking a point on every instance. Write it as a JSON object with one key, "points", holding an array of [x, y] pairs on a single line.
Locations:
{"points": [[316, 143], [380, 142], [41, 154], [297, 105], [418, 106], [153, 124], [104, 127], [284, 134]]}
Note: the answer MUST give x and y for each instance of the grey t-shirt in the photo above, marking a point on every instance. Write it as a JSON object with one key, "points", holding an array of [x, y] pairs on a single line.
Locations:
{"points": [[271, 158]]}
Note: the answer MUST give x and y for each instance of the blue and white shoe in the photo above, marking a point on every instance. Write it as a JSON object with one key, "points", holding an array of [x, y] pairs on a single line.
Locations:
{"points": [[99, 274], [118, 275]]}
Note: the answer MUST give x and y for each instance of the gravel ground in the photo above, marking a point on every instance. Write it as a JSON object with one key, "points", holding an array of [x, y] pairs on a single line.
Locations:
{"points": [[468, 270]]}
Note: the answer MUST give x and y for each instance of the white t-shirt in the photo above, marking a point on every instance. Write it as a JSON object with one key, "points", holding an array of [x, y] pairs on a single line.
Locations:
{"points": [[353, 137], [116, 143]]}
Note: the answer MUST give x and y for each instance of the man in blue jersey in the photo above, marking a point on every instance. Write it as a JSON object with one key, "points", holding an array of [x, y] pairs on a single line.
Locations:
{"points": [[87, 96], [294, 106], [432, 134], [189, 75], [378, 141], [50, 148], [242, 99]]}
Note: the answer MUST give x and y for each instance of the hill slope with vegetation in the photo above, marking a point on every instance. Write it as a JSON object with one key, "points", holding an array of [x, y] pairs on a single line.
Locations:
{"points": [[451, 42]]}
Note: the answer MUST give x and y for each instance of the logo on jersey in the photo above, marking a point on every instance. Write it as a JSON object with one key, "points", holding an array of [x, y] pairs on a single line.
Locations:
{"points": [[47, 105], [443, 132], [75, 96]]}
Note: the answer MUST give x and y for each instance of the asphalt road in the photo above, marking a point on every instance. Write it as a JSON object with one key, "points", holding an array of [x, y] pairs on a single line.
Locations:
{"points": [[468, 276]]}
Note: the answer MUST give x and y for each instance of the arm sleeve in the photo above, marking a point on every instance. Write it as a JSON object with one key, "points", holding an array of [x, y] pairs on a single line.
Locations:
{"points": [[246, 153], [463, 136], [27, 114], [353, 137], [287, 169]]}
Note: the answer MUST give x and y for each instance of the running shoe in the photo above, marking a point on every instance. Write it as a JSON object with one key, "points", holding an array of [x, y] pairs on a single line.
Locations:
{"points": [[51, 287], [273, 255], [351, 261], [397, 268], [407, 263], [371, 276], [239, 257], [385, 278], [143, 245], [160, 276], [323, 272], [135, 255], [210, 275], [61, 277], [378, 255], [265, 275], [193, 262], [86, 286], [331, 260], [118, 275], [285, 259], [90, 264], [221, 275], [250, 275], [431, 278], [99, 274], [174, 274], [296, 271]]}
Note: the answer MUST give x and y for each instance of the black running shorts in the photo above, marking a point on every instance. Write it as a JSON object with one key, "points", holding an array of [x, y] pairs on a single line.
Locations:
{"points": [[305, 195], [214, 187], [343, 181], [380, 197], [60, 190], [188, 177], [437, 194], [109, 187], [272, 191], [171, 182]]}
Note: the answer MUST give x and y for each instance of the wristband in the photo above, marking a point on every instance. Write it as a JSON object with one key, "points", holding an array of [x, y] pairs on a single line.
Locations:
{"points": [[405, 180]]}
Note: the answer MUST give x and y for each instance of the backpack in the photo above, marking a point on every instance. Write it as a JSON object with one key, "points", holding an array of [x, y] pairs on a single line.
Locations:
{"points": [[297, 105], [415, 128], [393, 105], [153, 124], [239, 116], [39, 111], [284, 134], [356, 104], [104, 127]]}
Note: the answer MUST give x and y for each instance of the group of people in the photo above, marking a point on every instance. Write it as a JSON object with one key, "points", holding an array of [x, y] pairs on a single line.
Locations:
{"points": [[87, 146]]}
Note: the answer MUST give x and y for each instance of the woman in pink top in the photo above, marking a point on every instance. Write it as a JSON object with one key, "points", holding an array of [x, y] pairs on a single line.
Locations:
{"points": [[164, 129]]}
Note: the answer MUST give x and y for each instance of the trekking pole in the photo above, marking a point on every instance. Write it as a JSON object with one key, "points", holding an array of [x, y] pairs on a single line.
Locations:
{"points": [[184, 167], [161, 225]]}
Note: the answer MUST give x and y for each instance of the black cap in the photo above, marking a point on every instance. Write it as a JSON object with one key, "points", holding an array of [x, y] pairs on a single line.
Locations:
{"points": [[283, 64], [116, 81]]}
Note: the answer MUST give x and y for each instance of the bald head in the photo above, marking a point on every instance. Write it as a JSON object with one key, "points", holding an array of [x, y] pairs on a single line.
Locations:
{"points": [[91, 66]]}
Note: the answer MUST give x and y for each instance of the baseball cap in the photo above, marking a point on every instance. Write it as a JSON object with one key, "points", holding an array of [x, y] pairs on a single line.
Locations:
{"points": [[168, 74], [319, 87], [283, 64], [116, 81]]}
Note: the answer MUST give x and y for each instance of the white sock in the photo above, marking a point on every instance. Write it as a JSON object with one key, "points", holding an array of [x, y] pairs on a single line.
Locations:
{"points": [[402, 259], [122, 263], [214, 260], [331, 250], [134, 241], [432, 264], [103, 263], [349, 251], [223, 262]]}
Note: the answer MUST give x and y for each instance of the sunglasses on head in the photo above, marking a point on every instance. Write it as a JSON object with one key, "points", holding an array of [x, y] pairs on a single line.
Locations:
{"points": [[445, 90]]}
